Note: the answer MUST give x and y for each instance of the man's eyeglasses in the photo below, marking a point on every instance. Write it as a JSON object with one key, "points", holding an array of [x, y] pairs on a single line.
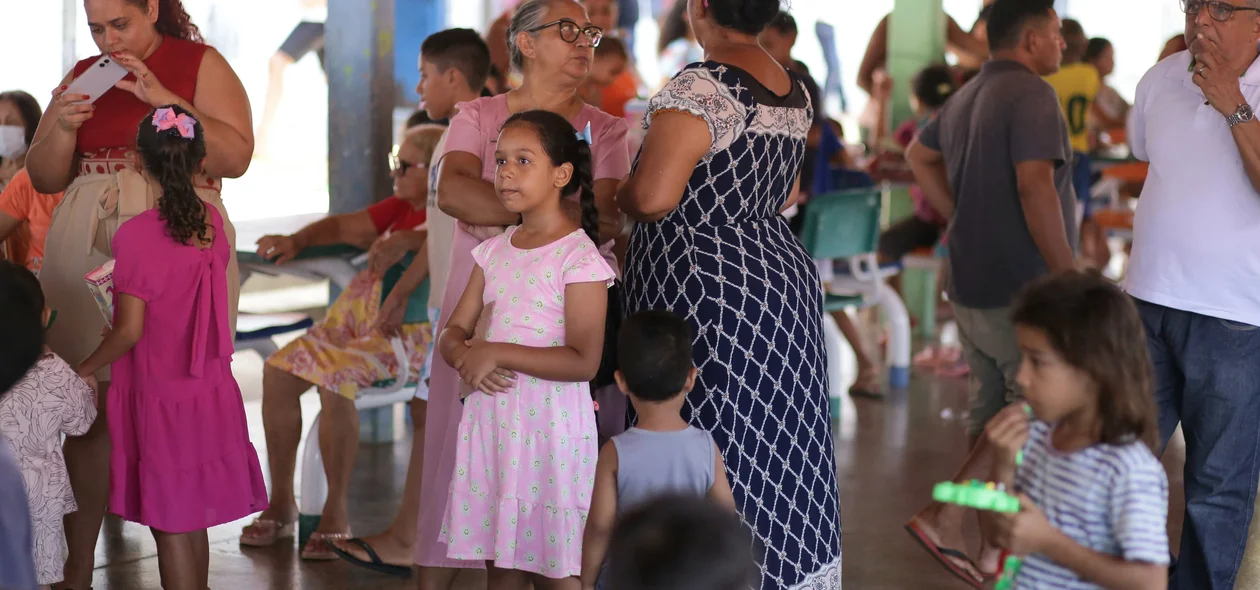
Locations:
{"points": [[569, 31], [399, 166], [1219, 11]]}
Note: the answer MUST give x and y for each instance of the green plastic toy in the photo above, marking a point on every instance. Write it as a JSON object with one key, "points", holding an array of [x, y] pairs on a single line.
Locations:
{"points": [[976, 494]]}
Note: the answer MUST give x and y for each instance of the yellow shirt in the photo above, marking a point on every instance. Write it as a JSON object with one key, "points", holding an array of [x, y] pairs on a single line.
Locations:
{"points": [[1077, 86]]}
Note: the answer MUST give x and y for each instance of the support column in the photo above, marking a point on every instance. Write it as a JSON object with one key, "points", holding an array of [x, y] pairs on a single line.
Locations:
{"points": [[359, 50], [916, 39]]}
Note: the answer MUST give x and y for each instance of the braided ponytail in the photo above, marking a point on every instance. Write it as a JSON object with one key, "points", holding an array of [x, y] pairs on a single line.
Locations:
{"points": [[583, 182], [172, 155]]}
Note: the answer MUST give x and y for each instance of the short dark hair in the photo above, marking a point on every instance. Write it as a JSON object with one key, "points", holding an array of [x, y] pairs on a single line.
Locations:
{"points": [[681, 543], [784, 23], [612, 47], [654, 354], [1095, 327], [21, 312], [1009, 18], [746, 16], [1074, 37], [462, 49], [934, 85], [1095, 48]]}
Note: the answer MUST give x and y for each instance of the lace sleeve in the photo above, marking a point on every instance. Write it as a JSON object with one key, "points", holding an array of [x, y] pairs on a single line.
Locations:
{"points": [[698, 92]]}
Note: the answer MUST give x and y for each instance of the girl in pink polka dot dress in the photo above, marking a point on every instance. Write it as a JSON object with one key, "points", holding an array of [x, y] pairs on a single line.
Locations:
{"points": [[527, 445]]}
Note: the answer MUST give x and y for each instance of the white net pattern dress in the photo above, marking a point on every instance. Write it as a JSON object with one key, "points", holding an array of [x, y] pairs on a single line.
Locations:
{"points": [[726, 260]]}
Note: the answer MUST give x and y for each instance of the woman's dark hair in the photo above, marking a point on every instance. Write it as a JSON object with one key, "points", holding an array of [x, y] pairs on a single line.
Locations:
{"points": [[784, 23], [562, 145], [654, 354], [28, 107], [674, 27], [681, 543], [173, 20], [1009, 18], [1095, 49], [21, 306], [1096, 328], [934, 85], [746, 16], [173, 160]]}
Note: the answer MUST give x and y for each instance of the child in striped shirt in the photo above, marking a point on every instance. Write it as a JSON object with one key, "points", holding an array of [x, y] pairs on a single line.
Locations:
{"points": [[1094, 498]]}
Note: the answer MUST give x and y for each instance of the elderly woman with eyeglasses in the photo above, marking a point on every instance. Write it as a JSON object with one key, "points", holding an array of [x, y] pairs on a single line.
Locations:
{"points": [[552, 44], [347, 351]]}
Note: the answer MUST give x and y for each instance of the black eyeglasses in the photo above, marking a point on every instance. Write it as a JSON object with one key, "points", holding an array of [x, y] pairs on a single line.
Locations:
{"points": [[1219, 11], [569, 31]]}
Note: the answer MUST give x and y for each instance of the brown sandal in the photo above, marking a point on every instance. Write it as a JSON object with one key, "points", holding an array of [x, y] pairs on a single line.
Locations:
{"points": [[265, 532], [320, 548]]}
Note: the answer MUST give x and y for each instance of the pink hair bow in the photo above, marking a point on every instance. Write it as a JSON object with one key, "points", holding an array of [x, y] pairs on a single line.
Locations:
{"points": [[165, 118]]}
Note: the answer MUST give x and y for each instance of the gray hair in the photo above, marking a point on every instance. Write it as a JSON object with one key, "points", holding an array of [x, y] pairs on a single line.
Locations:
{"points": [[528, 16]]}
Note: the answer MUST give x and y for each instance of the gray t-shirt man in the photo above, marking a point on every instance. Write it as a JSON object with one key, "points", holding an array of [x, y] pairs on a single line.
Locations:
{"points": [[1004, 116]]}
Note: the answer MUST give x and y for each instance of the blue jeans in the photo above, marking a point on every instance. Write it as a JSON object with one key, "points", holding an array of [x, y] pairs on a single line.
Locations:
{"points": [[1083, 180], [1207, 376]]}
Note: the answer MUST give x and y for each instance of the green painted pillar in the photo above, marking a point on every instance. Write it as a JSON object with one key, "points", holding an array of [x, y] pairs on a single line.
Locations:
{"points": [[916, 39]]}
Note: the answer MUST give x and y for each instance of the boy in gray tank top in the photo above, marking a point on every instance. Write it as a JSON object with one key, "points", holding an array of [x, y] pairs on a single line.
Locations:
{"points": [[662, 454]]}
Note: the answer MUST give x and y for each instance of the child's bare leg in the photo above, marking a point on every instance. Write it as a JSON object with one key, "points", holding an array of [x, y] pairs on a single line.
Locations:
{"points": [[437, 578], [868, 371], [87, 463], [177, 561], [942, 523], [501, 579], [201, 552], [544, 583]]}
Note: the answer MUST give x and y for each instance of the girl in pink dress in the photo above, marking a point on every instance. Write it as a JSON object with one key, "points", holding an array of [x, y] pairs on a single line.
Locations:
{"points": [[527, 441], [181, 459]]}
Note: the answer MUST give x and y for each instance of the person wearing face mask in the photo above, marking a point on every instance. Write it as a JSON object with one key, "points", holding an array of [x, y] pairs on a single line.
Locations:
{"points": [[24, 213], [19, 115]]}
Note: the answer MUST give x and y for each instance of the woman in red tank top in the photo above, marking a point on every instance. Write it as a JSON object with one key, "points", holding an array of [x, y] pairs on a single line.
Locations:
{"points": [[86, 150]]}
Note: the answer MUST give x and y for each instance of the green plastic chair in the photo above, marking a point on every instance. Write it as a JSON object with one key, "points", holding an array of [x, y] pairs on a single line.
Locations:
{"points": [[842, 226], [845, 225]]}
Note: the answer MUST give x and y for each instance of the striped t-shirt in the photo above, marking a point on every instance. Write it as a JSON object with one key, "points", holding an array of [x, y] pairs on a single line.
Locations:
{"points": [[1109, 498]]}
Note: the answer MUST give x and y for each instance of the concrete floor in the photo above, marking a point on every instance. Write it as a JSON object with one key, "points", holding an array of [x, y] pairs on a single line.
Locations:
{"points": [[889, 454]]}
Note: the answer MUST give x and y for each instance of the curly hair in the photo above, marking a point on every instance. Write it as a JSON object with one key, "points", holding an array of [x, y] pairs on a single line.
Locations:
{"points": [[172, 160], [560, 142], [173, 20]]}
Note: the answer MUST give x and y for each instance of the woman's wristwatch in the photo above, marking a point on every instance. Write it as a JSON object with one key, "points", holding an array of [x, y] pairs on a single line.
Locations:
{"points": [[1242, 115]]}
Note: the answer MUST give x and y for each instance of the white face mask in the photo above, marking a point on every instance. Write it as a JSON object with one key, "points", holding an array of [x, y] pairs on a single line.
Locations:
{"points": [[12, 141]]}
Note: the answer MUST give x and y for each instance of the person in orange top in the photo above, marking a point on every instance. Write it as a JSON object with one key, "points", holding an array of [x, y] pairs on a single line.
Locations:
{"points": [[24, 219], [613, 79]]}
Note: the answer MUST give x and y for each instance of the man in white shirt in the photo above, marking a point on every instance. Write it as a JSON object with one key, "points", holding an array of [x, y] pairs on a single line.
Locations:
{"points": [[1195, 274]]}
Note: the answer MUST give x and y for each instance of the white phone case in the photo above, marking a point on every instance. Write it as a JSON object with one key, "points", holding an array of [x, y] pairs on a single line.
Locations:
{"points": [[99, 78]]}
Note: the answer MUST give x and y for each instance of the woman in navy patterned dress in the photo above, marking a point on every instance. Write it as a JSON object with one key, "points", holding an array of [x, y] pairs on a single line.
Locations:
{"points": [[719, 163]]}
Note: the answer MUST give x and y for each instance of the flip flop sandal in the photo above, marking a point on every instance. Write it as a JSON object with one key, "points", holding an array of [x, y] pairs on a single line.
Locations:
{"points": [[941, 556], [375, 564], [269, 532], [320, 548]]}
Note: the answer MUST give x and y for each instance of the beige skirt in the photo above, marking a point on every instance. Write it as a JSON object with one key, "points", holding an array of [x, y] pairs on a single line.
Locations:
{"points": [[106, 193]]}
